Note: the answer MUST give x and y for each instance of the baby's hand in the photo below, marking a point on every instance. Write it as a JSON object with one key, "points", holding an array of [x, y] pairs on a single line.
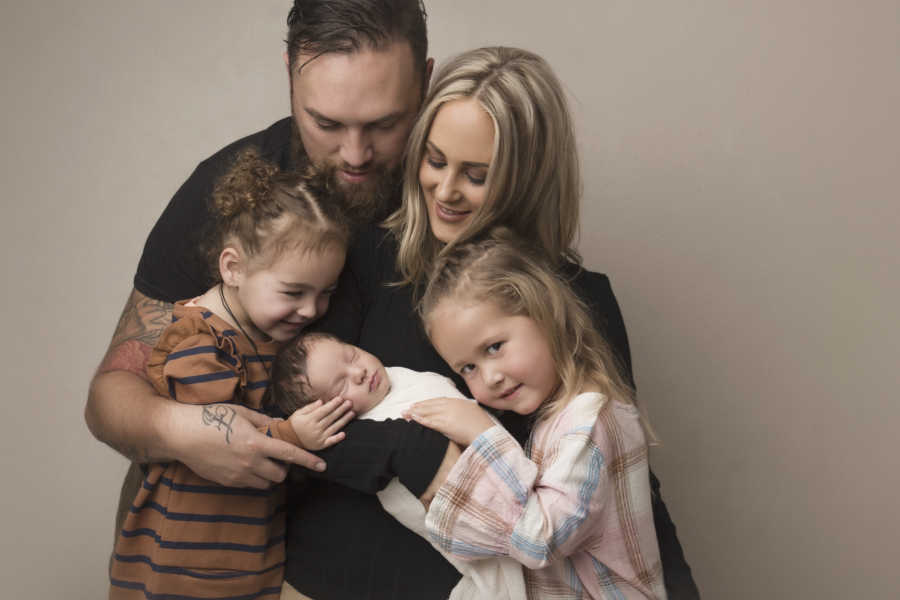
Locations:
{"points": [[319, 425], [460, 420]]}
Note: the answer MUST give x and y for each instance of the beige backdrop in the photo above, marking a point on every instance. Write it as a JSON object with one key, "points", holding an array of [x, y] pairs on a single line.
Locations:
{"points": [[741, 190]]}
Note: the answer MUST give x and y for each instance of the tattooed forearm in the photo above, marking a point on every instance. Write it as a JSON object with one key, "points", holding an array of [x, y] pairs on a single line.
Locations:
{"points": [[220, 417]]}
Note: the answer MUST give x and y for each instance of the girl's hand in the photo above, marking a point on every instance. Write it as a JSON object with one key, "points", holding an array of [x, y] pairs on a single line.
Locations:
{"points": [[319, 425], [460, 420]]}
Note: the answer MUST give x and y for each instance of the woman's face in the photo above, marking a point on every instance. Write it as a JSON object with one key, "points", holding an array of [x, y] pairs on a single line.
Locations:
{"points": [[455, 166]]}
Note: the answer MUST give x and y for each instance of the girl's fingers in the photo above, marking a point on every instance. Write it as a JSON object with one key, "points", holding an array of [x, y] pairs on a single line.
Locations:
{"points": [[427, 420], [309, 408], [333, 411], [334, 439], [426, 405], [339, 424]]}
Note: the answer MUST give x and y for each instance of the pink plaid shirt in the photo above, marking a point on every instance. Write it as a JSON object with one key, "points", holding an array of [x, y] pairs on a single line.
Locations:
{"points": [[573, 507]]}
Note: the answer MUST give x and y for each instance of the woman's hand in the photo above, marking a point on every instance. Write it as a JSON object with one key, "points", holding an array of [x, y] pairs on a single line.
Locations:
{"points": [[319, 425], [460, 420]]}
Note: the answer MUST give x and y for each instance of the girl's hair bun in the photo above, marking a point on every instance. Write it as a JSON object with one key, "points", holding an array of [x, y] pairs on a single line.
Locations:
{"points": [[245, 187]]}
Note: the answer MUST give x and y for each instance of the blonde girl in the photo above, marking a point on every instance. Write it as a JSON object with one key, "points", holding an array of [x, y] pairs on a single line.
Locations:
{"points": [[574, 505], [279, 247]]}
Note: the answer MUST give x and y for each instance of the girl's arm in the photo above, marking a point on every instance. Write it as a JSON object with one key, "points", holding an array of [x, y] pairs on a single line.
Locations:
{"points": [[494, 504], [497, 503]]}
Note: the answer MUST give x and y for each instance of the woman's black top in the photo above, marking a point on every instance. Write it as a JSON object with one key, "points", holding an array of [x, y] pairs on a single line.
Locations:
{"points": [[340, 542]]}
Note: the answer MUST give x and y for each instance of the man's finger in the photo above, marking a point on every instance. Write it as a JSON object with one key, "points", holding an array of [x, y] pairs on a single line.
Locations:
{"points": [[257, 482], [289, 453]]}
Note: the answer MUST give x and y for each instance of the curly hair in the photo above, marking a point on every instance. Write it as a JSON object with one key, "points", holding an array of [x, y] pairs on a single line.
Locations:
{"points": [[268, 212]]}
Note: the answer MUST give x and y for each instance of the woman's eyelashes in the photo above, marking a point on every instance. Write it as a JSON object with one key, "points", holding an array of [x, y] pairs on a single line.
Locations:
{"points": [[476, 178], [475, 175]]}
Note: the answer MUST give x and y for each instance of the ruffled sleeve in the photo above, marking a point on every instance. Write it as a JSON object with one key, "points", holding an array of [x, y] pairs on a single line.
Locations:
{"points": [[194, 364]]}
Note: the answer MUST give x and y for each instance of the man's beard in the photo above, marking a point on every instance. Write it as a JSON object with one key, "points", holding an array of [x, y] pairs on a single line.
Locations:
{"points": [[371, 201], [363, 203]]}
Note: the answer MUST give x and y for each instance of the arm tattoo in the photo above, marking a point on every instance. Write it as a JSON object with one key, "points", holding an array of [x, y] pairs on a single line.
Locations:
{"points": [[142, 322], [220, 417]]}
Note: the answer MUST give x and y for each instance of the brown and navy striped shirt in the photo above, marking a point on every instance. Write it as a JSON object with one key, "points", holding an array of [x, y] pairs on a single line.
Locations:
{"points": [[185, 536]]}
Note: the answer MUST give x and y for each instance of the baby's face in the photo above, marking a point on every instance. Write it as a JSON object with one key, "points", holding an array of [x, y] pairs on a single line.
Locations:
{"points": [[338, 369]]}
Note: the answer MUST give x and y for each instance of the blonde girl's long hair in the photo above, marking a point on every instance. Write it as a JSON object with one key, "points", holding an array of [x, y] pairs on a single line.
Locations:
{"points": [[503, 270], [533, 183]]}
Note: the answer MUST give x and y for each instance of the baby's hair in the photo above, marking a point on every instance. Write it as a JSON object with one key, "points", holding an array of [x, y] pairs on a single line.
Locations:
{"points": [[267, 211], [289, 386], [504, 271]]}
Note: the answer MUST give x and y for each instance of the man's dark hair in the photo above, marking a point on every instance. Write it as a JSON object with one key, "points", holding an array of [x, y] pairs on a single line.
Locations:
{"points": [[320, 26]]}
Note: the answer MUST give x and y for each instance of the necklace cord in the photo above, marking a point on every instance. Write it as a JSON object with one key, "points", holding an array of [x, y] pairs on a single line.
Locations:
{"points": [[246, 335]]}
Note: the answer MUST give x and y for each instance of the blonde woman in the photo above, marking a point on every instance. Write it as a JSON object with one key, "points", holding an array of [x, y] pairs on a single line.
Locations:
{"points": [[493, 145]]}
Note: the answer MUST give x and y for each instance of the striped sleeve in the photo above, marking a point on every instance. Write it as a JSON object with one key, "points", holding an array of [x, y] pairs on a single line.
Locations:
{"points": [[282, 430], [196, 370]]}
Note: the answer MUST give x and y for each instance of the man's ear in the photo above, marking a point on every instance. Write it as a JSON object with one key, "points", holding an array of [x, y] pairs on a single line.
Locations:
{"points": [[231, 266], [426, 77]]}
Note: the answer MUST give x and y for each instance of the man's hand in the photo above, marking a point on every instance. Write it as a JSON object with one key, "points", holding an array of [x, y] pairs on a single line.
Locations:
{"points": [[319, 425], [223, 444]]}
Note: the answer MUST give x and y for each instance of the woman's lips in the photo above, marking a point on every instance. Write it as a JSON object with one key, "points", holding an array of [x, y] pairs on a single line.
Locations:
{"points": [[449, 214]]}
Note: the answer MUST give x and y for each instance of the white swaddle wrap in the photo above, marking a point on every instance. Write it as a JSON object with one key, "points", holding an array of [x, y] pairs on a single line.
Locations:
{"points": [[488, 579]]}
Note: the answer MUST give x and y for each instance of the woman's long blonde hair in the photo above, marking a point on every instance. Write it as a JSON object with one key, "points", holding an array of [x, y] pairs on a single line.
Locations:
{"points": [[503, 270], [533, 184]]}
